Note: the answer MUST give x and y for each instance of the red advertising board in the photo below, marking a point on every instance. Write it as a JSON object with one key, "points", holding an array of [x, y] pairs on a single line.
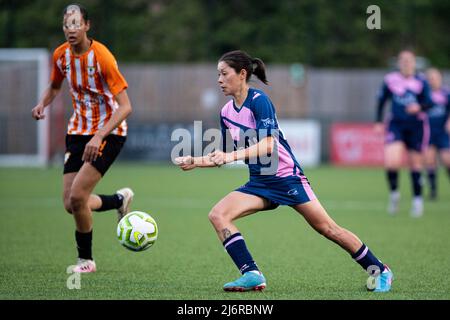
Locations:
{"points": [[356, 144]]}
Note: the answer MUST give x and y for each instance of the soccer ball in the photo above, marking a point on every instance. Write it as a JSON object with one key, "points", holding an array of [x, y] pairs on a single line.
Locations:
{"points": [[137, 231]]}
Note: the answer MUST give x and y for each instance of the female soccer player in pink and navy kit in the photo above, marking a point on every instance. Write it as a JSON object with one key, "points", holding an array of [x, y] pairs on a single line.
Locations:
{"points": [[276, 177], [439, 115], [407, 127]]}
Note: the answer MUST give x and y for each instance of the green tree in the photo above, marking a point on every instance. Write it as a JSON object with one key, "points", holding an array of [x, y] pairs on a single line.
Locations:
{"points": [[320, 33]]}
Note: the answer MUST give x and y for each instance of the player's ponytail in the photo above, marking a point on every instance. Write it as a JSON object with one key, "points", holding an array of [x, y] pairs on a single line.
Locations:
{"points": [[239, 60], [259, 70]]}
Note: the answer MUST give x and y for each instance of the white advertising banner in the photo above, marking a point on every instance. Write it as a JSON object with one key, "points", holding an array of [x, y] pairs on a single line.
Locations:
{"points": [[304, 138]]}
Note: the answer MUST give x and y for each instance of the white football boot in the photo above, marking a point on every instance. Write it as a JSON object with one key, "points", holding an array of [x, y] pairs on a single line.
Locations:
{"points": [[394, 200], [85, 266], [417, 207], [127, 194]]}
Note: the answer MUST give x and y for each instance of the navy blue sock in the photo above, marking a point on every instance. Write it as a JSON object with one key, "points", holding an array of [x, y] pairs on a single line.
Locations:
{"points": [[84, 244], [236, 248], [392, 176], [366, 259], [432, 179], [110, 202], [416, 183]]}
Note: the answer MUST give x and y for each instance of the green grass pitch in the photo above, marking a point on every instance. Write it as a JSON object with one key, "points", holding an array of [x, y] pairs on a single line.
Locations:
{"points": [[188, 261]]}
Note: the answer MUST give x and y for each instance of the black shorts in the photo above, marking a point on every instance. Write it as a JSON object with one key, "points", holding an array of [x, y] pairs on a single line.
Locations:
{"points": [[75, 145]]}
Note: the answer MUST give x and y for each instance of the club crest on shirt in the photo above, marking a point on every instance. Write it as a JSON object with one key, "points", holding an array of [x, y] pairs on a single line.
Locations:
{"points": [[91, 70], [66, 68]]}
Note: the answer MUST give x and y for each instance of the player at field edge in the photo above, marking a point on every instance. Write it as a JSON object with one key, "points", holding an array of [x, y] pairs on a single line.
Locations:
{"points": [[280, 183], [439, 116], [406, 126], [97, 129]]}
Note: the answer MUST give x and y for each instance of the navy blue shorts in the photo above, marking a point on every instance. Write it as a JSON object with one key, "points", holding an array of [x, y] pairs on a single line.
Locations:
{"points": [[414, 134], [440, 139], [287, 191]]}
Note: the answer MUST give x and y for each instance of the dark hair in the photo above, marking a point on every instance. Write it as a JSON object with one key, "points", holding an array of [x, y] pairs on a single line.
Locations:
{"points": [[83, 11], [239, 60]]}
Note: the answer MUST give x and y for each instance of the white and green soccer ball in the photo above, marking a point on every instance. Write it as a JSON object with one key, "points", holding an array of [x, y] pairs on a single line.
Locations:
{"points": [[137, 231]]}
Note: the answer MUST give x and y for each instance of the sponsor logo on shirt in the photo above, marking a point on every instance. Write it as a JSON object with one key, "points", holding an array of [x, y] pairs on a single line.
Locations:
{"points": [[437, 111], [268, 122]]}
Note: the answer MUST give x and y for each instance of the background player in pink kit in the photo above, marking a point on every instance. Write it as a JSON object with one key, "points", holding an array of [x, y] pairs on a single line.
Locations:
{"points": [[439, 116], [278, 182], [407, 127]]}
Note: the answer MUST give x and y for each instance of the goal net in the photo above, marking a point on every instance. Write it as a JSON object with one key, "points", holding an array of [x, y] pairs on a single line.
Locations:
{"points": [[24, 75]]}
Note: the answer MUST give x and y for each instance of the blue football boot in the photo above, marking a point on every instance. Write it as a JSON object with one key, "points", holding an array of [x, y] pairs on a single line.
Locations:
{"points": [[251, 280], [381, 282]]}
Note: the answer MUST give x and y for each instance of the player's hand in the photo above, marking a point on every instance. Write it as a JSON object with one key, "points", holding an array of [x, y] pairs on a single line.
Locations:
{"points": [[413, 108], [185, 163], [378, 128], [91, 150], [38, 112], [219, 158]]}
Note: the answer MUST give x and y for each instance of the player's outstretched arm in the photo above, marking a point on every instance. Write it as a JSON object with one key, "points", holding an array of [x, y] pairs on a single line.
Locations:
{"points": [[49, 95], [262, 148], [218, 158], [189, 163]]}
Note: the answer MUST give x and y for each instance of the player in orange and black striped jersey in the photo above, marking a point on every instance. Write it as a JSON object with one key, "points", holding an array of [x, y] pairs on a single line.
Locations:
{"points": [[97, 129]]}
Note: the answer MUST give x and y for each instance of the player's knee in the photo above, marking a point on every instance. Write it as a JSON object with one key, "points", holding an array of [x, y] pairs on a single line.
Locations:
{"points": [[67, 206], [66, 202], [76, 201], [416, 165], [216, 216]]}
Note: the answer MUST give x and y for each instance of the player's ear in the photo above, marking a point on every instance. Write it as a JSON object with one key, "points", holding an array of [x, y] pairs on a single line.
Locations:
{"points": [[243, 74], [88, 25]]}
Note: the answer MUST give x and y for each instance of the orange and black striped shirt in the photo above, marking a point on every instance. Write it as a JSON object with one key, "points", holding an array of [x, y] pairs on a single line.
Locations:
{"points": [[94, 80]]}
